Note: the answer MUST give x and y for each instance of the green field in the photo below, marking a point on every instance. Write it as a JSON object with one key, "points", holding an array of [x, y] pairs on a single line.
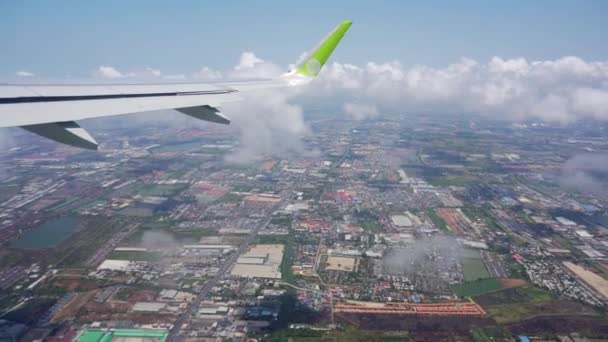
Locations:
{"points": [[475, 213], [164, 190], [520, 303], [347, 335], [524, 294], [473, 266], [508, 313], [488, 334], [282, 220], [477, 287]]}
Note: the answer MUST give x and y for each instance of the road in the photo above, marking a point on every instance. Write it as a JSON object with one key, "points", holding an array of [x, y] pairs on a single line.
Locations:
{"points": [[206, 289]]}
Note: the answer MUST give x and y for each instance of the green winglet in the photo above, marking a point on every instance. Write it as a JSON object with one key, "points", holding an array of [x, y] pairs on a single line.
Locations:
{"points": [[315, 60]]}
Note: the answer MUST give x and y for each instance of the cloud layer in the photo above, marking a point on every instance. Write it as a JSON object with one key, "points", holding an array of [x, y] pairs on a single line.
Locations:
{"points": [[269, 126], [562, 90], [586, 173], [559, 91], [360, 111], [24, 73]]}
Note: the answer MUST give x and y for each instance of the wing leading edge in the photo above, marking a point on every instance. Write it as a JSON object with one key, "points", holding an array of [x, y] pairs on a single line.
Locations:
{"points": [[52, 110]]}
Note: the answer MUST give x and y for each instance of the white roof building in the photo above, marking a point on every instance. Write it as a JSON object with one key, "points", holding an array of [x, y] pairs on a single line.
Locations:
{"points": [[114, 265], [401, 221], [148, 306]]}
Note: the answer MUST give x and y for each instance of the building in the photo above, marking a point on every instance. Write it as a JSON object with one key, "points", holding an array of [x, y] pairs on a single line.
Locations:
{"points": [[96, 335], [401, 221], [261, 261], [148, 306]]}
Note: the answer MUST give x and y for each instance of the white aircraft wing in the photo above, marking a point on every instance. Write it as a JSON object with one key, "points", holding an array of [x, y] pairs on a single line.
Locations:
{"points": [[52, 110]]}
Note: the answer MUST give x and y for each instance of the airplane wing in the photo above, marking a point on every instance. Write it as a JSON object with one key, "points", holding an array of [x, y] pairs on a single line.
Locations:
{"points": [[52, 110]]}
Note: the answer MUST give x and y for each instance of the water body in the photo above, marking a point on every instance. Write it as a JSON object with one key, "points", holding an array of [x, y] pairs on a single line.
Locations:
{"points": [[48, 234]]}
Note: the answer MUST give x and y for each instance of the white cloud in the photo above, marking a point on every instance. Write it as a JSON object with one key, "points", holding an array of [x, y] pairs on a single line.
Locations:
{"points": [[112, 73], [207, 73], [585, 173], [360, 111], [175, 77], [109, 72], [269, 125], [248, 60], [153, 72], [252, 67], [561, 90], [23, 73]]}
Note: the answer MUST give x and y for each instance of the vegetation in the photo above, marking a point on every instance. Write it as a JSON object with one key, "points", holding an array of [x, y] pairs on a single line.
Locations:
{"points": [[477, 287], [78, 251], [231, 198], [31, 311], [282, 220], [193, 233], [489, 334], [516, 304], [473, 267], [524, 294], [368, 220], [123, 293], [518, 271], [477, 213], [312, 194], [438, 221], [510, 312], [10, 258], [347, 335], [287, 261], [164, 190]]}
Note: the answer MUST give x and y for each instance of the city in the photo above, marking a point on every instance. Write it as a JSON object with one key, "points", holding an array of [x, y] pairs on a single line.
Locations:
{"points": [[399, 227]]}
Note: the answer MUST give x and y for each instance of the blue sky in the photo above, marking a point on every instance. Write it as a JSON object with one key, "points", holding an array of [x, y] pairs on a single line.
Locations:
{"points": [[59, 38]]}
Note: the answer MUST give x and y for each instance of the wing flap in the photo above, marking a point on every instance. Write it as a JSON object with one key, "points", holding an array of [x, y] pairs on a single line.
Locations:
{"points": [[69, 133], [206, 113]]}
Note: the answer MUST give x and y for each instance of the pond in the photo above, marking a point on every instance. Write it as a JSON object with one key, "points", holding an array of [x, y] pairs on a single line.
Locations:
{"points": [[48, 234]]}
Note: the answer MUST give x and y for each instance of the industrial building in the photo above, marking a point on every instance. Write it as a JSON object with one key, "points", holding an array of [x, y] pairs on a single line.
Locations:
{"points": [[261, 261]]}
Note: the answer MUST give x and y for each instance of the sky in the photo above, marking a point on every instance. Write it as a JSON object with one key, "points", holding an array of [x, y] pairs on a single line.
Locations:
{"points": [[519, 60], [59, 39]]}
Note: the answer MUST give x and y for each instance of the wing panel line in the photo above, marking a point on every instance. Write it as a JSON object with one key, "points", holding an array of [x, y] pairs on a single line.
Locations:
{"points": [[32, 99]]}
